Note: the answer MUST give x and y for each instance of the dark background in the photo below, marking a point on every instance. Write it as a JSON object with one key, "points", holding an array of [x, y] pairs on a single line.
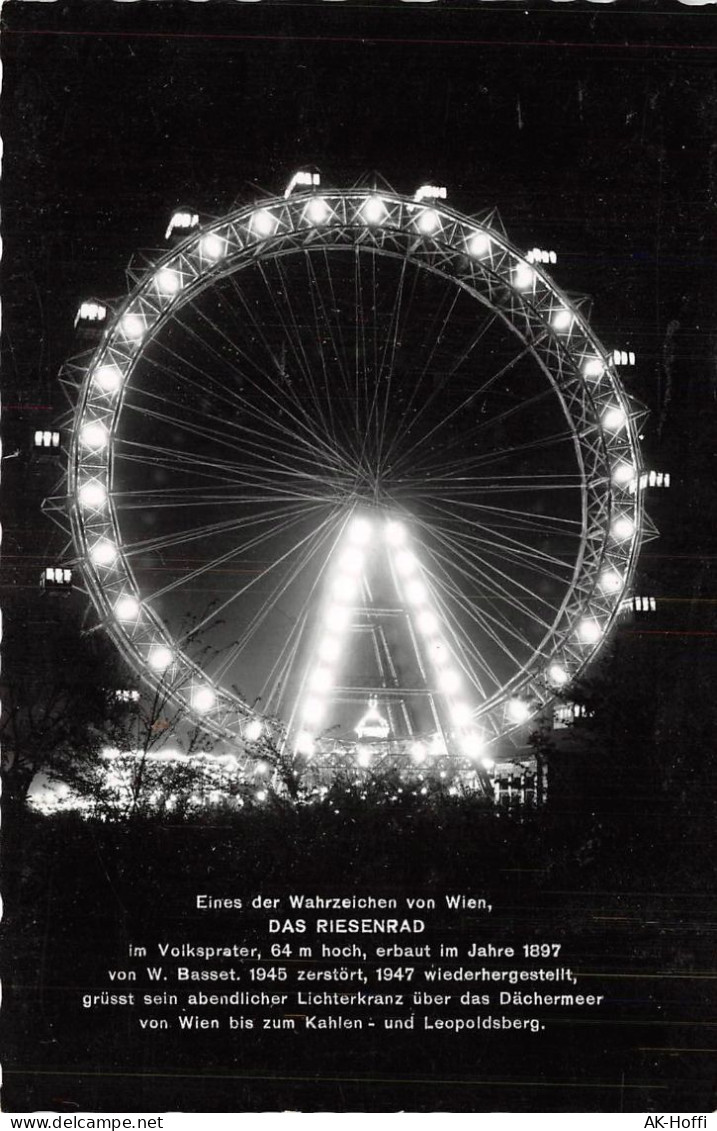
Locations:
{"points": [[593, 131]]}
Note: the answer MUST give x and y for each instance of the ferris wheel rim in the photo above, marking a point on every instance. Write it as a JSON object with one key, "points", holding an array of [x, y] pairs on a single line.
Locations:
{"points": [[108, 583]]}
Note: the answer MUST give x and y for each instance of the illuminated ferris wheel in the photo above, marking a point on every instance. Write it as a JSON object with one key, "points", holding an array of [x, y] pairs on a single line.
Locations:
{"points": [[368, 453]]}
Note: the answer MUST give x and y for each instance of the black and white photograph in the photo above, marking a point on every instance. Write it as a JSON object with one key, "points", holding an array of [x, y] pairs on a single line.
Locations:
{"points": [[359, 537]]}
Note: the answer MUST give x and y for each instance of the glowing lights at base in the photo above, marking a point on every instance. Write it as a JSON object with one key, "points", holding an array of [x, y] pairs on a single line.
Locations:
{"points": [[518, 710], [253, 730]]}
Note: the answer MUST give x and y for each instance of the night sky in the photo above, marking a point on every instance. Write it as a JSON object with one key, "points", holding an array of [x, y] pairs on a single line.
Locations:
{"points": [[591, 129]]}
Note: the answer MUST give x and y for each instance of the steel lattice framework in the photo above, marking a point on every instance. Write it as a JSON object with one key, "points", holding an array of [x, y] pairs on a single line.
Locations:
{"points": [[474, 256]]}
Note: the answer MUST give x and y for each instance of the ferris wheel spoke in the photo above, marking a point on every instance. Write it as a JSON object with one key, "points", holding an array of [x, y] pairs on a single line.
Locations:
{"points": [[497, 584], [183, 462], [449, 599], [307, 433], [303, 430], [280, 524], [315, 546], [435, 336], [542, 522], [260, 575], [191, 534], [485, 459], [308, 366], [505, 546], [246, 438], [463, 404], [207, 381]]}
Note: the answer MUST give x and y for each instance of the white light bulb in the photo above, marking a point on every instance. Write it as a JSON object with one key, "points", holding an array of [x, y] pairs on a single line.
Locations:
{"points": [[304, 743], [405, 563], [92, 494], [338, 617], [593, 368], [428, 221], [203, 699], [344, 588], [329, 649], [623, 474], [363, 756], [557, 675], [449, 681], [418, 752], [360, 531], [103, 552], [317, 210], [479, 244], [351, 561], [374, 210], [427, 623], [523, 276], [320, 679], [460, 714], [561, 320], [610, 581], [472, 745], [518, 710], [313, 710], [168, 281], [614, 419], [263, 222], [108, 378], [212, 246], [253, 730], [395, 533], [127, 608], [132, 326], [416, 592], [622, 528], [589, 630], [94, 435], [160, 658]]}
